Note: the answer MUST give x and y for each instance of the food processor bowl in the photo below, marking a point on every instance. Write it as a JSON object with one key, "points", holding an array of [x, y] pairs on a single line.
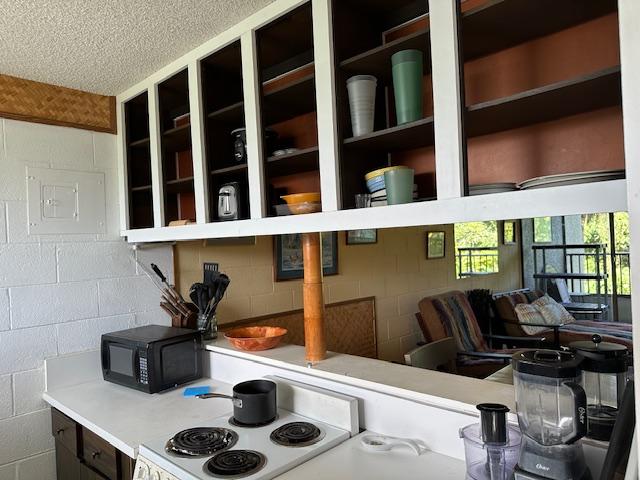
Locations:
{"points": [[490, 461]]}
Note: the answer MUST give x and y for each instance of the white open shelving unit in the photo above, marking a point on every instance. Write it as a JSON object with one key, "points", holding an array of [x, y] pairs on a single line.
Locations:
{"points": [[451, 206]]}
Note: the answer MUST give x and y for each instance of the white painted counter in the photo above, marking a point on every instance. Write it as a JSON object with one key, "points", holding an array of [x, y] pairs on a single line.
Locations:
{"points": [[350, 461], [435, 388], [122, 416]]}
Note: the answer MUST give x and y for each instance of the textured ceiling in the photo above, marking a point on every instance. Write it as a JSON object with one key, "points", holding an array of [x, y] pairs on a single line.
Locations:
{"points": [[106, 46]]}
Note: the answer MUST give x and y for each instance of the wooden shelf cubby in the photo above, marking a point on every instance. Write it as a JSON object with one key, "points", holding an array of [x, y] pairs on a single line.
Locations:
{"points": [[223, 98], [176, 158], [138, 162], [288, 104], [530, 114], [366, 36]]}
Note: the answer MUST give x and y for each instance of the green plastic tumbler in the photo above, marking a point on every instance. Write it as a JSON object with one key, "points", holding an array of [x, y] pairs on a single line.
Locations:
{"points": [[407, 85], [399, 185]]}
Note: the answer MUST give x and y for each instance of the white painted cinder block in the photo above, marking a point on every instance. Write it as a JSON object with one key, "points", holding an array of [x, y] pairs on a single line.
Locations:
{"points": [[127, 295], [85, 334], [3, 222], [48, 304], [8, 472], [40, 467], [59, 147], [112, 216], [26, 349], [153, 317], [27, 264], [6, 397], [25, 435], [5, 320], [88, 261], [104, 151], [27, 391]]}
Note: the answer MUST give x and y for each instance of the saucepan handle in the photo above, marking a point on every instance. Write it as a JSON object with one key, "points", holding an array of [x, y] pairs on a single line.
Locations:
{"points": [[236, 401]]}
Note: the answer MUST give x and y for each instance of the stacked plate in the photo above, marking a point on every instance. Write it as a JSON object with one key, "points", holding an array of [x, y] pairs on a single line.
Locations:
{"points": [[572, 179], [379, 198], [488, 188]]}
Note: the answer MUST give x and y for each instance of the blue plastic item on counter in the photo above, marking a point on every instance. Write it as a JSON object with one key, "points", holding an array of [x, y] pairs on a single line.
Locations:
{"points": [[193, 391]]}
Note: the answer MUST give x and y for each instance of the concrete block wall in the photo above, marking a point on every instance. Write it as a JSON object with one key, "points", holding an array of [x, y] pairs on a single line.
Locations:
{"points": [[395, 271], [58, 293]]}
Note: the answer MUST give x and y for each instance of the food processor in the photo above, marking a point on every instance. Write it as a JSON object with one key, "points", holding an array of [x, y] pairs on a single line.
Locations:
{"points": [[491, 447], [551, 407], [604, 378]]}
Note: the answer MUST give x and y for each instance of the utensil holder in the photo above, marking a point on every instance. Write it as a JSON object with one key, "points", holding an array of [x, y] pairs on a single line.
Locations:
{"points": [[208, 326], [407, 85]]}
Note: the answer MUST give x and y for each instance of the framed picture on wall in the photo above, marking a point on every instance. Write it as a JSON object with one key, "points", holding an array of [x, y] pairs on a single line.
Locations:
{"points": [[435, 245], [288, 255], [509, 232], [362, 237]]}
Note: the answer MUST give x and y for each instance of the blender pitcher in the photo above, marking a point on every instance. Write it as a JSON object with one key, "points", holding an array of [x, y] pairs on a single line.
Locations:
{"points": [[551, 406], [604, 378]]}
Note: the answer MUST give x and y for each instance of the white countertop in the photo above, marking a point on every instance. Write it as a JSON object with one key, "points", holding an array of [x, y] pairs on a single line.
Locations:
{"points": [[125, 417], [436, 388], [351, 461]]}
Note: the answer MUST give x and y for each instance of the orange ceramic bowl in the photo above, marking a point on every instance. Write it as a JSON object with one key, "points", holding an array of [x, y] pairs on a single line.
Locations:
{"points": [[254, 339], [311, 197]]}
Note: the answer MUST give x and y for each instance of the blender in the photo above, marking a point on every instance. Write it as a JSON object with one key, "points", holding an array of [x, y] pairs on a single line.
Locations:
{"points": [[491, 447], [551, 407], [604, 377]]}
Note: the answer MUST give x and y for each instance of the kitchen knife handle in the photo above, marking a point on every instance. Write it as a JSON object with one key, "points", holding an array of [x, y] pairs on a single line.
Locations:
{"points": [[158, 272]]}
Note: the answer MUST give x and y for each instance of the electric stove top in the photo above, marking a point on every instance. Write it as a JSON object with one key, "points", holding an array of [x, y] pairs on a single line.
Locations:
{"points": [[222, 450]]}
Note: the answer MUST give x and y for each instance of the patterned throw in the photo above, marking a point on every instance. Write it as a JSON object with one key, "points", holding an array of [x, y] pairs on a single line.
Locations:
{"points": [[458, 319]]}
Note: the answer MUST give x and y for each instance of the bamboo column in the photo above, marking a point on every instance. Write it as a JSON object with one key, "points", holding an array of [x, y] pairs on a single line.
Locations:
{"points": [[314, 336]]}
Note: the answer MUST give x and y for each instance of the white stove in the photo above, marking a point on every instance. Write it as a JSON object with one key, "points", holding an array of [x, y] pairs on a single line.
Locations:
{"points": [[255, 449]]}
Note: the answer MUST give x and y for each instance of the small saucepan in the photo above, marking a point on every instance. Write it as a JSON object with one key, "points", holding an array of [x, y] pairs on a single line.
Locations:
{"points": [[254, 402]]}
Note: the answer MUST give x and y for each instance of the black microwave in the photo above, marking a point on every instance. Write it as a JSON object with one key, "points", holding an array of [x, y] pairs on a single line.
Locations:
{"points": [[152, 358]]}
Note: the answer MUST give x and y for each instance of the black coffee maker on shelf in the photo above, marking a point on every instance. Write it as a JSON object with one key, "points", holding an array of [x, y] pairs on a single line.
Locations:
{"points": [[552, 414], [604, 378]]}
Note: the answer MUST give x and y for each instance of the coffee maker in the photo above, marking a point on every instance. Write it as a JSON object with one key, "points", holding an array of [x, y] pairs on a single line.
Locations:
{"points": [[551, 407]]}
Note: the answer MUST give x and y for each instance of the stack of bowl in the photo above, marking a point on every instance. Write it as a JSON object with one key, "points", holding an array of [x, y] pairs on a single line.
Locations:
{"points": [[375, 179], [301, 203], [377, 188]]}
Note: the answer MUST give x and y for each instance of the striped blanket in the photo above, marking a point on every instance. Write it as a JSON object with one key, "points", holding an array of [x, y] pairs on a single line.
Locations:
{"points": [[609, 331]]}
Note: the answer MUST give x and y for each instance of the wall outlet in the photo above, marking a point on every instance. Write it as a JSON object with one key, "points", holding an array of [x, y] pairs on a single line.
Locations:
{"points": [[210, 271]]}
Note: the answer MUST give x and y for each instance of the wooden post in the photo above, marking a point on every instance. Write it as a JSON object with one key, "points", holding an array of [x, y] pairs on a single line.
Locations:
{"points": [[314, 337]]}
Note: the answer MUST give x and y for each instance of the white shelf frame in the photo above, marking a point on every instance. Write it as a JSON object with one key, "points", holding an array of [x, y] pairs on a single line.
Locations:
{"points": [[451, 206], [553, 201]]}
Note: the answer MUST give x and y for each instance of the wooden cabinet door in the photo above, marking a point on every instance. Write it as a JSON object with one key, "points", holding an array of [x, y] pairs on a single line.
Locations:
{"points": [[67, 464], [100, 454], [87, 473]]}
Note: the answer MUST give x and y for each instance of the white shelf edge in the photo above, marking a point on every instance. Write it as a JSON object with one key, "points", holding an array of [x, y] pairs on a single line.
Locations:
{"points": [[600, 197]]}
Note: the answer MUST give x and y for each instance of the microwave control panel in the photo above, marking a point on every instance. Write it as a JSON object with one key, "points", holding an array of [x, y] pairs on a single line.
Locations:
{"points": [[144, 369]]}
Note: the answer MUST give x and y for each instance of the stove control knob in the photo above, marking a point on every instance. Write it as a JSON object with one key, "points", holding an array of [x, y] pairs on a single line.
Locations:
{"points": [[155, 476], [143, 471]]}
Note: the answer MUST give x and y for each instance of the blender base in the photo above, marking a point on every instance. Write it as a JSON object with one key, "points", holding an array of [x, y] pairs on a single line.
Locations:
{"points": [[519, 474]]}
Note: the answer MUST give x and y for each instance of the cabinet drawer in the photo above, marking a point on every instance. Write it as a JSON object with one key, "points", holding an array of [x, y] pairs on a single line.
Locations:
{"points": [[99, 454], [65, 431]]}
